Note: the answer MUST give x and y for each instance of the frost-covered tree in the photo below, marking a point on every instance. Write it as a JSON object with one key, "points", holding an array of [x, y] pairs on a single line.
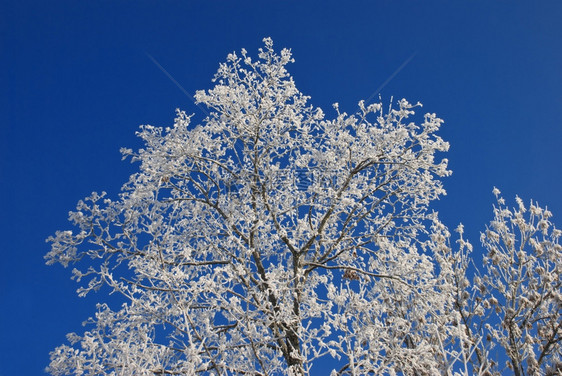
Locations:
{"points": [[268, 238], [515, 303], [263, 239]]}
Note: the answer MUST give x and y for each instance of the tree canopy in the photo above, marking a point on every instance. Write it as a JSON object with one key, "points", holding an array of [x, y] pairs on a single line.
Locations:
{"points": [[269, 237]]}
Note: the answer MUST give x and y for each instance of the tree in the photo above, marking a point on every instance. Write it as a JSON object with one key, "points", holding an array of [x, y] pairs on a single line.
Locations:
{"points": [[269, 238], [516, 304]]}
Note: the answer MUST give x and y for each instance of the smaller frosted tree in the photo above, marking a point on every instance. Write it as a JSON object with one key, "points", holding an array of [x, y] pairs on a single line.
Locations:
{"points": [[515, 303]]}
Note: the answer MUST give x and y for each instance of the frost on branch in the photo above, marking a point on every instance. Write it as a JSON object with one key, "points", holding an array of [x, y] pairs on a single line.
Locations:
{"points": [[266, 238]]}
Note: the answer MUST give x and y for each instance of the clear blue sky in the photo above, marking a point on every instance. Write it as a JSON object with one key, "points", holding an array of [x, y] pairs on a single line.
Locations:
{"points": [[76, 82]]}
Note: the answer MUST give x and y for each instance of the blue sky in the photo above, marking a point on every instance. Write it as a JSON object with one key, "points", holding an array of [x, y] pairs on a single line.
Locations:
{"points": [[76, 82]]}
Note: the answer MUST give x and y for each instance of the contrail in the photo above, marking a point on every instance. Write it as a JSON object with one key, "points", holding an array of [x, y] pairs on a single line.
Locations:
{"points": [[391, 77], [175, 82]]}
